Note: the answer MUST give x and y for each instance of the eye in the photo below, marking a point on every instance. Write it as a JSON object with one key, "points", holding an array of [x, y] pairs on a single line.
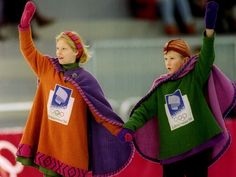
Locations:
{"points": [[63, 48]]}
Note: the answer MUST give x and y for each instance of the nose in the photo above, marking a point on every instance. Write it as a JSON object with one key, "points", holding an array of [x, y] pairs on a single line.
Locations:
{"points": [[58, 52], [167, 62]]}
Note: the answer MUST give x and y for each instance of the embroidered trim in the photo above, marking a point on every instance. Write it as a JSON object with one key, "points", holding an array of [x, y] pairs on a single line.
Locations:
{"points": [[24, 150], [50, 162], [58, 166]]}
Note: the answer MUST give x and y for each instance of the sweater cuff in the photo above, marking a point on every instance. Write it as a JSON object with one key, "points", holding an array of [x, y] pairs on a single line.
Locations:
{"points": [[23, 28]]}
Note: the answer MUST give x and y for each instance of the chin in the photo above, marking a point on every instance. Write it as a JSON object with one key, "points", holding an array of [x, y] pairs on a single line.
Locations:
{"points": [[61, 62], [172, 72]]}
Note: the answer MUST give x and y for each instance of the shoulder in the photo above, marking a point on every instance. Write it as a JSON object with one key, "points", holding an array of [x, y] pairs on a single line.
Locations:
{"points": [[87, 75], [86, 78]]}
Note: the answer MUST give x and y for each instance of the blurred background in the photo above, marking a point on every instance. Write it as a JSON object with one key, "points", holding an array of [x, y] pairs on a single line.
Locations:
{"points": [[125, 38]]}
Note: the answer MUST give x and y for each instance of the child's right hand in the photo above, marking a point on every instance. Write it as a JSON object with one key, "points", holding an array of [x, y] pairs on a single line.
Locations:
{"points": [[27, 14], [125, 135]]}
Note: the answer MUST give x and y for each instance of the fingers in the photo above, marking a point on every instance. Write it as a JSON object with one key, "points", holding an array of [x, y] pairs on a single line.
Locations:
{"points": [[30, 8], [27, 15]]}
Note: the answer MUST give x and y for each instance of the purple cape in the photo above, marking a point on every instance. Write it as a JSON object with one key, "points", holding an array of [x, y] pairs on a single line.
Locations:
{"points": [[221, 96], [107, 154]]}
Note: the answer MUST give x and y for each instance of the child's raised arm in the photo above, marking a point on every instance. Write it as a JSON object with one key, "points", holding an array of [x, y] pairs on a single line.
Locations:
{"points": [[210, 17]]}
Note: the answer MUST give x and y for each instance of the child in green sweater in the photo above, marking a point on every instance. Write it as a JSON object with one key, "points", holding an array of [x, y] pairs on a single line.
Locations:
{"points": [[186, 127]]}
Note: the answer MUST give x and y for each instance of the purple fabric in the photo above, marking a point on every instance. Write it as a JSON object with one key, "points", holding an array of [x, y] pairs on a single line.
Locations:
{"points": [[221, 95], [107, 153]]}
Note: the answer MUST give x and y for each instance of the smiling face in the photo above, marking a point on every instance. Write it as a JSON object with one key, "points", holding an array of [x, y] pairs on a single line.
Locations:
{"points": [[174, 61], [64, 52]]}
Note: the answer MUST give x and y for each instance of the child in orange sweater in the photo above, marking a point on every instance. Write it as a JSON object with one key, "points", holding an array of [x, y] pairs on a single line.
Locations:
{"points": [[71, 125]]}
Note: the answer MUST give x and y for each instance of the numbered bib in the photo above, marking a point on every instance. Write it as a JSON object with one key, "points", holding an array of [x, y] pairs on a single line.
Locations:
{"points": [[178, 110], [60, 104]]}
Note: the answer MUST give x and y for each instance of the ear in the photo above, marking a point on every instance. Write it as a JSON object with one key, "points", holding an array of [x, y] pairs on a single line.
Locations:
{"points": [[76, 52]]}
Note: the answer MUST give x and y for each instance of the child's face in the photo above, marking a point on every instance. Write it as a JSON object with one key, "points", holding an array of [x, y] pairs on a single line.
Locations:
{"points": [[64, 52], [173, 61]]}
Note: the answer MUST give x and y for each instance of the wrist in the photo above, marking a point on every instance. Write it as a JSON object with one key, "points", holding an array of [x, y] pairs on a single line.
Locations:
{"points": [[125, 135], [23, 28], [210, 32]]}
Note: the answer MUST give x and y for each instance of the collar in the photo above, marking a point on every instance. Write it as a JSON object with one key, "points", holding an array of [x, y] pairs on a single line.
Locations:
{"points": [[70, 66]]}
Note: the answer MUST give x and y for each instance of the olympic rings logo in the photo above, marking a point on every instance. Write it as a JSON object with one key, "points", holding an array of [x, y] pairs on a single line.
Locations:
{"points": [[181, 117], [5, 164], [57, 113]]}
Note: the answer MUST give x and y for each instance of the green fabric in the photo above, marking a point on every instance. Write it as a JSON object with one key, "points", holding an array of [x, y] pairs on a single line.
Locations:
{"points": [[70, 66], [26, 161], [48, 173], [204, 126], [45, 175]]}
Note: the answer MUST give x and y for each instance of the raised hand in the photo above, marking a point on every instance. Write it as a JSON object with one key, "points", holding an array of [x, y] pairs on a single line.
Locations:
{"points": [[27, 14], [211, 14]]}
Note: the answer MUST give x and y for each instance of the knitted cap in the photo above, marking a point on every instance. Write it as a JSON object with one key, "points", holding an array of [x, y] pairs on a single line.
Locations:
{"points": [[178, 45], [76, 41]]}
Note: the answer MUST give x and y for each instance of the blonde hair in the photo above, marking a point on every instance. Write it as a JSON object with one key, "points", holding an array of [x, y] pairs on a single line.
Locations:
{"points": [[83, 54]]}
